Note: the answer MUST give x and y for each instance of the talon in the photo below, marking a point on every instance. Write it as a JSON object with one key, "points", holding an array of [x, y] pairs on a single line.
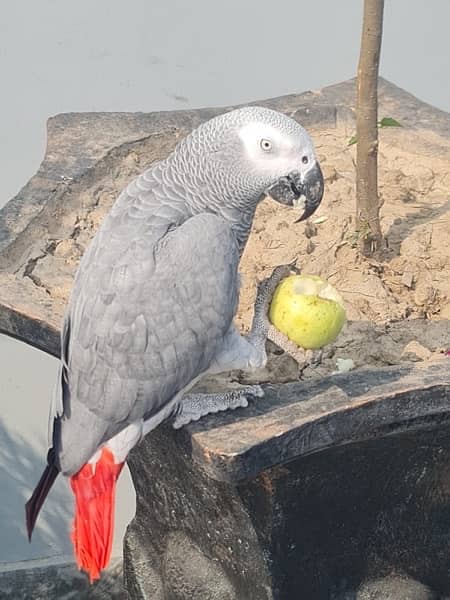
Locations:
{"points": [[313, 357], [257, 391], [239, 401], [294, 269]]}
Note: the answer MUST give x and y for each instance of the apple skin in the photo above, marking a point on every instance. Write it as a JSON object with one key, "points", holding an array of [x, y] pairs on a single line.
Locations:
{"points": [[308, 310]]}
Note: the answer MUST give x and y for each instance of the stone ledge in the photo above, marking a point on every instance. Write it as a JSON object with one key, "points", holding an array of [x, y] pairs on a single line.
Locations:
{"points": [[297, 419], [61, 581], [334, 488]]}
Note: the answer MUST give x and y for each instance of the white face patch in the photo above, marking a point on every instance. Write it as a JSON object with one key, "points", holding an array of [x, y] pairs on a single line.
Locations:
{"points": [[257, 136]]}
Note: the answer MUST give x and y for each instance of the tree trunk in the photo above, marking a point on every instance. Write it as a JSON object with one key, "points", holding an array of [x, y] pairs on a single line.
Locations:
{"points": [[367, 201]]}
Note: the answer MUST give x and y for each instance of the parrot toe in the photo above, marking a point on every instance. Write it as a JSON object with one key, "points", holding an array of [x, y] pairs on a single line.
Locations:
{"points": [[194, 406]]}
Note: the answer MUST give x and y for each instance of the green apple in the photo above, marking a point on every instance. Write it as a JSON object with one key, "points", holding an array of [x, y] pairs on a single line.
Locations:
{"points": [[308, 310]]}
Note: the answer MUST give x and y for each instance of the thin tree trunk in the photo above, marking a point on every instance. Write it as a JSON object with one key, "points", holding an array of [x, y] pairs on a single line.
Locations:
{"points": [[367, 201]]}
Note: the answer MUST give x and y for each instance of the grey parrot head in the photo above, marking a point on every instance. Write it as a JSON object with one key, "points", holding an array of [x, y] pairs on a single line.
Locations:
{"points": [[243, 155]]}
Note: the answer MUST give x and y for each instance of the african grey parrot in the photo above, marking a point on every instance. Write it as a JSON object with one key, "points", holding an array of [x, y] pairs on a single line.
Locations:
{"points": [[153, 302]]}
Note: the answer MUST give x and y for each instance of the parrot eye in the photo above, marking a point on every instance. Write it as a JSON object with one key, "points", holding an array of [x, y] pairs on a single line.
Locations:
{"points": [[266, 145], [305, 160]]}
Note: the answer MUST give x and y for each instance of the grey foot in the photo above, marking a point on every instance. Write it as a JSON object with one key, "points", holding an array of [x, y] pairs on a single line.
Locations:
{"points": [[266, 288], [194, 406], [262, 328], [304, 358]]}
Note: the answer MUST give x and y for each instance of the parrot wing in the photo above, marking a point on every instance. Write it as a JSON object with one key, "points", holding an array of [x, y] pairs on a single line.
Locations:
{"points": [[146, 318]]}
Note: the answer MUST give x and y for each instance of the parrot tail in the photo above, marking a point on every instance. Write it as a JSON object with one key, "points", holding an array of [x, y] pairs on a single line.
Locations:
{"points": [[94, 487], [34, 504]]}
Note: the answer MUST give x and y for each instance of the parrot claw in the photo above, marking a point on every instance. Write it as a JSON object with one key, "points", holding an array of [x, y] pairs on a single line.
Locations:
{"points": [[304, 358], [267, 286], [261, 325], [253, 391], [265, 291], [313, 358], [194, 406]]}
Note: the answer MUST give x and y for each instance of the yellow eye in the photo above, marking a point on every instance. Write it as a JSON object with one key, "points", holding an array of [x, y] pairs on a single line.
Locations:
{"points": [[266, 145]]}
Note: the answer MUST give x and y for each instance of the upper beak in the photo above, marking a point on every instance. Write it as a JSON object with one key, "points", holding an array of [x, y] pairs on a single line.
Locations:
{"points": [[298, 190]]}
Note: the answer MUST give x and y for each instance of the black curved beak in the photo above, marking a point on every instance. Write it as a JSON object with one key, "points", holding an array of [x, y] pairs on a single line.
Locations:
{"points": [[300, 191]]}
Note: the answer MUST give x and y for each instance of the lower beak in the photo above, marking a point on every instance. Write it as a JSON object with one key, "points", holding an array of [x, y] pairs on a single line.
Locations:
{"points": [[300, 191]]}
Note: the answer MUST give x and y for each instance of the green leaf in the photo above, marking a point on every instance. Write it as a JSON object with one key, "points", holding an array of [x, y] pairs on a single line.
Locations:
{"points": [[389, 122], [385, 122]]}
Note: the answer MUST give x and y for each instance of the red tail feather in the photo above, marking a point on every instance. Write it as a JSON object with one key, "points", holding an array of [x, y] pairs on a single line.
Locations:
{"points": [[94, 488]]}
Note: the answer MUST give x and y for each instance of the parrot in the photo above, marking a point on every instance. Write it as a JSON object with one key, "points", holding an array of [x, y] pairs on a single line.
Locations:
{"points": [[153, 302]]}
